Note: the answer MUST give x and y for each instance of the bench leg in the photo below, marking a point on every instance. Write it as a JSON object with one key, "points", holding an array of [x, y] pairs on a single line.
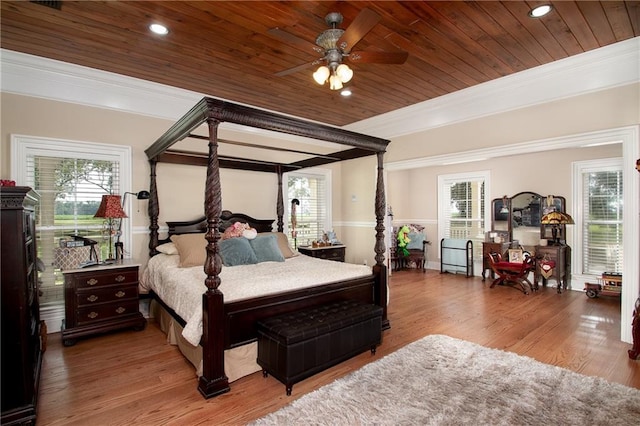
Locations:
{"points": [[265, 373], [373, 350], [289, 387]]}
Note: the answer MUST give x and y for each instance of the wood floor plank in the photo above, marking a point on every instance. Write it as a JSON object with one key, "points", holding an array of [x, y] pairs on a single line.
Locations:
{"points": [[136, 378]]}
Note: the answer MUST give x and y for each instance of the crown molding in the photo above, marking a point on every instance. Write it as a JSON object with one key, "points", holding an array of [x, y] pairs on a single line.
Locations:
{"points": [[599, 69], [585, 140], [607, 67]]}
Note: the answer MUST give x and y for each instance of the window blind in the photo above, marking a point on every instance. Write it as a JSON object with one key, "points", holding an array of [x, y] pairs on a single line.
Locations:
{"points": [[602, 225], [71, 190], [312, 213], [464, 211]]}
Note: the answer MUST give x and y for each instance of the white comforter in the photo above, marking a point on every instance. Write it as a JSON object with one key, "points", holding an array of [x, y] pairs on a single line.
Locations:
{"points": [[182, 288]]}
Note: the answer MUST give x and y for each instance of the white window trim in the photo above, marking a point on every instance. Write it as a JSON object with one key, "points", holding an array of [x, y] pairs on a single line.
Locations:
{"points": [[577, 242], [23, 146], [326, 173], [460, 177]]}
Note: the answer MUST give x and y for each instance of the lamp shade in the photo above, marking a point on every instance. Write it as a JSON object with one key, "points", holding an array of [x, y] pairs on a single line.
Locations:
{"points": [[556, 218], [110, 207]]}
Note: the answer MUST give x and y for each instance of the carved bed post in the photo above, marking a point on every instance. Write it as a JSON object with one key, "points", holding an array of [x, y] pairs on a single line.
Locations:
{"points": [[280, 201], [380, 269], [213, 380], [153, 210]]}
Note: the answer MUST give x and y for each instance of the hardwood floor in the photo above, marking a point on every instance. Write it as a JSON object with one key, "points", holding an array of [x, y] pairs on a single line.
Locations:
{"points": [[135, 378]]}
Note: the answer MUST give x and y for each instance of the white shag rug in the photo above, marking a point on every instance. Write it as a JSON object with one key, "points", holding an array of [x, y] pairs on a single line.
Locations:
{"points": [[439, 380]]}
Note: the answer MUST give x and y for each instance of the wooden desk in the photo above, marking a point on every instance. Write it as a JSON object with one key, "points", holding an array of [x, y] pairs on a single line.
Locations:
{"points": [[561, 255]]}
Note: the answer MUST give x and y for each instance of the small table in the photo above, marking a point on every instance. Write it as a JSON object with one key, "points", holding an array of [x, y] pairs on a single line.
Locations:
{"points": [[101, 298], [335, 252], [561, 272]]}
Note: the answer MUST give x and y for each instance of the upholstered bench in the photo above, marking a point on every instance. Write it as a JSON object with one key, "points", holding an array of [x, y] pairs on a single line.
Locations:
{"points": [[294, 346]]}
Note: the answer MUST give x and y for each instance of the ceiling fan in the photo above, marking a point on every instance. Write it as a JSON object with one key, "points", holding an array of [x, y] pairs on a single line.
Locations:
{"points": [[335, 45]]}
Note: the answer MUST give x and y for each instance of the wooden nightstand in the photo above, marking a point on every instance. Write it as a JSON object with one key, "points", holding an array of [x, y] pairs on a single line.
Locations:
{"points": [[330, 252], [99, 299]]}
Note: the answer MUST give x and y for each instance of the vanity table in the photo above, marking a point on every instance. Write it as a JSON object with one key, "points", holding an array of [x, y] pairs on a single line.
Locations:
{"points": [[520, 217]]}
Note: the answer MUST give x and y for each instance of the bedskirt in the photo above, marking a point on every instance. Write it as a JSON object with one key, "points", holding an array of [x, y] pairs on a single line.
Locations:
{"points": [[238, 362]]}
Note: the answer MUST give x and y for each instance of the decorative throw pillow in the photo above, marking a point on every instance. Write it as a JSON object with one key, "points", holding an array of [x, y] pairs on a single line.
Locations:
{"points": [[266, 248], [237, 251], [283, 243], [416, 241], [167, 248], [192, 249]]}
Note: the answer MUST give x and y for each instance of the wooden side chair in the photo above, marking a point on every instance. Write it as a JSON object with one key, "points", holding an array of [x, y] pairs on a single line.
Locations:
{"points": [[417, 249], [512, 272]]}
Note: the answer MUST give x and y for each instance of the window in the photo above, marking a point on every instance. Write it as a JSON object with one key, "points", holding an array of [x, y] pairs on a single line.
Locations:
{"points": [[462, 208], [313, 214], [600, 226], [71, 178]]}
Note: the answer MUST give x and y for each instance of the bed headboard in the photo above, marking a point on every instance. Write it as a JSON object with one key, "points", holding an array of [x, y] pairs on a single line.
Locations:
{"points": [[227, 219]]}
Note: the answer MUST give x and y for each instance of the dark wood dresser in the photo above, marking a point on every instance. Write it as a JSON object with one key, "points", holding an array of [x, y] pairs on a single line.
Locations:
{"points": [[99, 299], [329, 252], [22, 332]]}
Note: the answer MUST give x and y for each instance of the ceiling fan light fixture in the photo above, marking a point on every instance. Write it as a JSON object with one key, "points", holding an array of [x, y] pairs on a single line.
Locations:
{"points": [[321, 74], [335, 83], [344, 73], [540, 11]]}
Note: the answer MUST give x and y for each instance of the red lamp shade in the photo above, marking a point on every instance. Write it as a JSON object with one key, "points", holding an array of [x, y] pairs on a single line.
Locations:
{"points": [[110, 207]]}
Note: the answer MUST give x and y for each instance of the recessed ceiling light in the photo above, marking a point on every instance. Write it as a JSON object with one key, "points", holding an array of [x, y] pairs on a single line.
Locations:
{"points": [[540, 11], [159, 29], [346, 92]]}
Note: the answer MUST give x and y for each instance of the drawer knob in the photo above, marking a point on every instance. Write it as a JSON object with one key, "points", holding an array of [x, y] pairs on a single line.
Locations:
{"points": [[120, 310], [92, 298], [120, 278], [92, 315], [120, 293], [92, 281]]}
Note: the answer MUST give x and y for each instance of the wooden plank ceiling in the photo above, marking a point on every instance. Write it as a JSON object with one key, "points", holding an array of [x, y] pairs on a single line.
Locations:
{"points": [[225, 48]]}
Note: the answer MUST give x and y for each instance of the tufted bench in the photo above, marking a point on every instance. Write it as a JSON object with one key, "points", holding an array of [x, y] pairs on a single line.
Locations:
{"points": [[294, 346]]}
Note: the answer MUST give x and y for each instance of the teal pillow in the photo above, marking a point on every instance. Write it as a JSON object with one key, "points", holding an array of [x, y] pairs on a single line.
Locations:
{"points": [[266, 248], [416, 241], [236, 251]]}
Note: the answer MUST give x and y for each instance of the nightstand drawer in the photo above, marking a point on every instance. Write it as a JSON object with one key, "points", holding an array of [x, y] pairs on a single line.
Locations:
{"points": [[106, 311], [106, 294], [100, 299], [92, 279], [335, 253]]}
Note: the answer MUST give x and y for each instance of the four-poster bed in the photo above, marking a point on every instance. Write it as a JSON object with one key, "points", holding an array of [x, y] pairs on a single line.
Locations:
{"points": [[228, 325]]}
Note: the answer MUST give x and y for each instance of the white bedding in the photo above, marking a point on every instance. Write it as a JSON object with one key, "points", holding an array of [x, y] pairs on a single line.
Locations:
{"points": [[182, 288]]}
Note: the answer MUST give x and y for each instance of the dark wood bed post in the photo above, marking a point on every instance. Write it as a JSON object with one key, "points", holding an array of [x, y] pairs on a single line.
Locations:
{"points": [[380, 269], [280, 202], [213, 380], [153, 210]]}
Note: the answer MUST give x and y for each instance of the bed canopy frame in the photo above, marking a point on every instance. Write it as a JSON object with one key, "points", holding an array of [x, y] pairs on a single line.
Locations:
{"points": [[213, 112]]}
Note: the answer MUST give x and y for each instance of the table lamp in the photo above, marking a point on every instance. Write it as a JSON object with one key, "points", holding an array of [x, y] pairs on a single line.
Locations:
{"points": [[555, 219], [110, 209]]}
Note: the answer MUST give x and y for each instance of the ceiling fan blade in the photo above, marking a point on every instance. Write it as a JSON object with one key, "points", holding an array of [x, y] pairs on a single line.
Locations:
{"points": [[378, 57], [364, 22], [298, 68], [293, 40]]}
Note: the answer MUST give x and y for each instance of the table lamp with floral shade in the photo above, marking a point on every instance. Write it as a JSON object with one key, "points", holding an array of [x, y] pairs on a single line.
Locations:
{"points": [[110, 209]]}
